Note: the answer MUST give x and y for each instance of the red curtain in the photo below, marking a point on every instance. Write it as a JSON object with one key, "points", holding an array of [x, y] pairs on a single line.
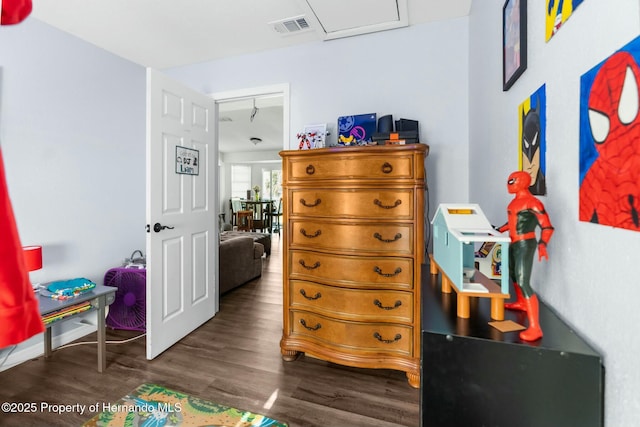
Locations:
{"points": [[19, 312]]}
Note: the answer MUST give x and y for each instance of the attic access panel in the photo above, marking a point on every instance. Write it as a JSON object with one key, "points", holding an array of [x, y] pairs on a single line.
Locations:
{"points": [[344, 18]]}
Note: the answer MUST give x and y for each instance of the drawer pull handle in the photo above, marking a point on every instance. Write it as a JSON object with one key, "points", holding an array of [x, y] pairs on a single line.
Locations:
{"points": [[311, 328], [310, 267], [310, 205], [315, 297], [379, 338], [395, 205], [311, 236], [310, 170], [379, 304], [379, 271], [387, 168], [379, 237]]}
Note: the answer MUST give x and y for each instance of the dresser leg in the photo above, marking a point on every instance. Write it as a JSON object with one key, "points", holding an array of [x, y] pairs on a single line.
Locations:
{"points": [[289, 355], [414, 379]]}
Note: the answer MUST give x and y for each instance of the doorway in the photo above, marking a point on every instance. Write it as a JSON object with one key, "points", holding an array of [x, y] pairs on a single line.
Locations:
{"points": [[253, 126]]}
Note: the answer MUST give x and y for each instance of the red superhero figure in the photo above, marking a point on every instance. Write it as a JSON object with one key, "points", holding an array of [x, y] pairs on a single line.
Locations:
{"points": [[525, 214], [610, 190]]}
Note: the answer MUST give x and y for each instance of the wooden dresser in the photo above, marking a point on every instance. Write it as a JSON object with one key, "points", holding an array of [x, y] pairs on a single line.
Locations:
{"points": [[353, 246]]}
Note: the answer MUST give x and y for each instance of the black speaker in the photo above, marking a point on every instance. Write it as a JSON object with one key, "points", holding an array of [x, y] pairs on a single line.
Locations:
{"points": [[385, 124], [406, 124]]}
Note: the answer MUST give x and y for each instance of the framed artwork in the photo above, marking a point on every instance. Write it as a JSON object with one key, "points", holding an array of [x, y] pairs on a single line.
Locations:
{"points": [[316, 134], [514, 41], [609, 173], [313, 137], [533, 141], [187, 161], [558, 11]]}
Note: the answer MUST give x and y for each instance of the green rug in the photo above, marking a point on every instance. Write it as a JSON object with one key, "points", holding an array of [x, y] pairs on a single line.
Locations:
{"points": [[151, 405]]}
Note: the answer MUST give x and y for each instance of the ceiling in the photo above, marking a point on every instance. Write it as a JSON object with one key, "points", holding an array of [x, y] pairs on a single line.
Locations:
{"points": [[168, 33], [236, 128]]}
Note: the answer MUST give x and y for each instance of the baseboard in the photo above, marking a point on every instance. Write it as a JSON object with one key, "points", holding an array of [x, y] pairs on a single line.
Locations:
{"points": [[34, 347]]}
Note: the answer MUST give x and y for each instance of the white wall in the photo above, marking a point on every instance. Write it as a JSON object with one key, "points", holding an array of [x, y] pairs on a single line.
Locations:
{"points": [[72, 127], [590, 279], [419, 72]]}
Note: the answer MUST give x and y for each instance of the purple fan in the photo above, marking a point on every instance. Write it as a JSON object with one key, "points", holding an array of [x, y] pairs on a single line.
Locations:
{"points": [[129, 309]]}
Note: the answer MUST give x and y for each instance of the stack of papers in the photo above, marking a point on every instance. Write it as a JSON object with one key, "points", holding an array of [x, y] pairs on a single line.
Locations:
{"points": [[65, 312]]}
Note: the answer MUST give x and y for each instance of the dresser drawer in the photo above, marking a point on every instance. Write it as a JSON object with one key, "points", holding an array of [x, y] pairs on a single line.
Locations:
{"points": [[353, 203], [352, 166], [352, 304], [353, 336], [366, 238], [353, 271]]}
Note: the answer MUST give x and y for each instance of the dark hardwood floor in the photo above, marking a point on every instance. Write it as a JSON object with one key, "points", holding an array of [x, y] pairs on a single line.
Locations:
{"points": [[233, 359]]}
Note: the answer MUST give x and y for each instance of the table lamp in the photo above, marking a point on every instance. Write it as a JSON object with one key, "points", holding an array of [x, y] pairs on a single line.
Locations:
{"points": [[32, 259]]}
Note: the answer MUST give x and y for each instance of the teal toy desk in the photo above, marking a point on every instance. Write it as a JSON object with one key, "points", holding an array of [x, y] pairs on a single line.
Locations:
{"points": [[99, 298]]}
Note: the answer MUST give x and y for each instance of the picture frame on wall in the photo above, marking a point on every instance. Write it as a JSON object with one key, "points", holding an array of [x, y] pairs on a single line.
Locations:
{"points": [[514, 41]]}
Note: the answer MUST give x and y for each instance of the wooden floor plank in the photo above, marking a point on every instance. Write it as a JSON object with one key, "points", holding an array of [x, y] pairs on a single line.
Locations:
{"points": [[234, 359]]}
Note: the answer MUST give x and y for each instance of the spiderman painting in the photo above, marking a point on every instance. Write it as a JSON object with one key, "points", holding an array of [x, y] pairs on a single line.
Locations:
{"points": [[610, 141]]}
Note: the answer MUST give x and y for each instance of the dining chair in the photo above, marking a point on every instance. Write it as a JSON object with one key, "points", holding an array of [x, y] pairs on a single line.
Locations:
{"points": [[245, 220], [276, 213], [236, 206]]}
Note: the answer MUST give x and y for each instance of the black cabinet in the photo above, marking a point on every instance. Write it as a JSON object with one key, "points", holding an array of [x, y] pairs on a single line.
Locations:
{"points": [[474, 375]]}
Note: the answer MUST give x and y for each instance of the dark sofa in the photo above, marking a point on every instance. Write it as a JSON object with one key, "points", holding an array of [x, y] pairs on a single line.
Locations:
{"points": [[240, 261], [262, 238]]}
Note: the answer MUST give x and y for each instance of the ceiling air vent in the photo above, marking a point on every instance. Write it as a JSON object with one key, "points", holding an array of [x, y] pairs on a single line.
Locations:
{"points": [[293, 25]]}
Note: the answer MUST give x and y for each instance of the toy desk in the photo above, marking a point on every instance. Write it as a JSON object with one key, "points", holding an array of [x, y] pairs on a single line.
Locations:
{"points": [[99, 297]]}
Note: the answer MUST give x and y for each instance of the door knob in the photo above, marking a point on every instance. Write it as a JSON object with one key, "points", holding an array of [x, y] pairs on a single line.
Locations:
{"points": [[157, 227]]}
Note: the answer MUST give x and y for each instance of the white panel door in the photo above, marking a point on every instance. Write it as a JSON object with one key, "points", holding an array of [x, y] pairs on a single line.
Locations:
{"points": [[182, 238]]}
